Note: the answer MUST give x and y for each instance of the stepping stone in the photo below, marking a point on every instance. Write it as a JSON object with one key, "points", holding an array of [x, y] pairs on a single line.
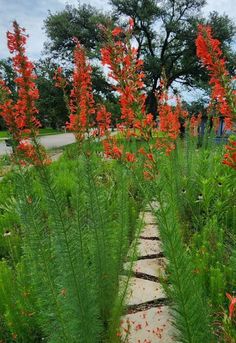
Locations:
{"points": [[148, 247], [153, 267], [155, 206], [150, 326], [141, 291], [148, 217], [150, 231]]}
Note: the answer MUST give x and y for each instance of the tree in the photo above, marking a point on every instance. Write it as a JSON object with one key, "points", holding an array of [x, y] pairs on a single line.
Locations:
{"points": [[81, 22], [8, 74], [51, 105], [165, 33]]}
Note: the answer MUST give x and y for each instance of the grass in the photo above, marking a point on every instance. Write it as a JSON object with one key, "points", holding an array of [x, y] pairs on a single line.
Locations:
{"points": [[49, 131], [42, 132]]}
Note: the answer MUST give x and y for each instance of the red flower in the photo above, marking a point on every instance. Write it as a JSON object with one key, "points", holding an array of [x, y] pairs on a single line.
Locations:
{"points": [[208, 50], [147, 175], [20, 116], [117, 31], [29, 155], [122, 60], [103, 119], [165, 144], [149, 119], [231, 305], [111, 149], [230, 156], [142, 151], [169, 115], [130, 157], [24, 110], [194, 124], [60, 80], [117, 152], [81, 102]]}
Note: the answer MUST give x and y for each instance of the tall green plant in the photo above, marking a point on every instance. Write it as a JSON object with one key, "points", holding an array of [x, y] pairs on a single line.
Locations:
{"points": [[74, 245]]}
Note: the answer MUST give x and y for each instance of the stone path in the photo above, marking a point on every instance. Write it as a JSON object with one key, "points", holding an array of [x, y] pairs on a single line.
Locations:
{"points": [[148, 317]]}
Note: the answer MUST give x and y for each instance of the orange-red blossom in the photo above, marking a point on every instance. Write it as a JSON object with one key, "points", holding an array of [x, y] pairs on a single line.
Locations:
{"points": [[231, 305], [194, 124], [84, 113], [210, 53], [81, 102], [126, 71], [20, 116], [103, 120], [230, 156]]}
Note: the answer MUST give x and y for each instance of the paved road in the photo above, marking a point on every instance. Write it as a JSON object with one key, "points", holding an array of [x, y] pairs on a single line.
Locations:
{"points": [[49, 142]]}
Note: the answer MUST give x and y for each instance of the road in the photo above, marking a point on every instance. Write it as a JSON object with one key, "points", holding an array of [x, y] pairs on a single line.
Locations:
{"points": [[49, 142]]}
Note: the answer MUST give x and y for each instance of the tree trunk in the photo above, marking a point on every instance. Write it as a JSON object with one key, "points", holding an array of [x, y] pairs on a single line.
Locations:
{"points": [[151, 104]]}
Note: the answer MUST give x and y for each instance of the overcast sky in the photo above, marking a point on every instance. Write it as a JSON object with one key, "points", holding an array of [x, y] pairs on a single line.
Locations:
{"points": [[31, 13]]}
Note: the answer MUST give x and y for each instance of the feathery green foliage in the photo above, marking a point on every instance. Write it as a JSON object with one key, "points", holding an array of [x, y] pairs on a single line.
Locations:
{"points": [[198, 207], [75, 233]]}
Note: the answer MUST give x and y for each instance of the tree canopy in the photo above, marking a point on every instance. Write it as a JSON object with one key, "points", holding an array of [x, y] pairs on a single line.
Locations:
{"points": [[81, 22], [165, 33]]}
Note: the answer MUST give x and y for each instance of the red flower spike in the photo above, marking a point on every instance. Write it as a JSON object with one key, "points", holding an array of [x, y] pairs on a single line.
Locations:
{"points": [[60, 80], [210, 53], [230, 156], [194, 124], [130, 157], [121, 59], [20, 116], [29, 156], [169, 115], [103, 120], [117, 31], [81, 97], [231, 305], [111, 150]]}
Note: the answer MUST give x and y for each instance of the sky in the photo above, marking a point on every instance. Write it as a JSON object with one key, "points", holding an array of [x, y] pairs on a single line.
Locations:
{"points": [[31, 14]]}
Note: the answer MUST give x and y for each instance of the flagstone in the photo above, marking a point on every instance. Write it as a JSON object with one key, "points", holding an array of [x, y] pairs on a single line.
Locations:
{"points": [[150, 326], [148, 247], [150, 231], [148, 217], [141, 291], [152, 267]]}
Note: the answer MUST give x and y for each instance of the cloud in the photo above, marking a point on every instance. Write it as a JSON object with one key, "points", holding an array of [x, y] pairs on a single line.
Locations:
{"points": [[29, 14], [222, 6]]}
